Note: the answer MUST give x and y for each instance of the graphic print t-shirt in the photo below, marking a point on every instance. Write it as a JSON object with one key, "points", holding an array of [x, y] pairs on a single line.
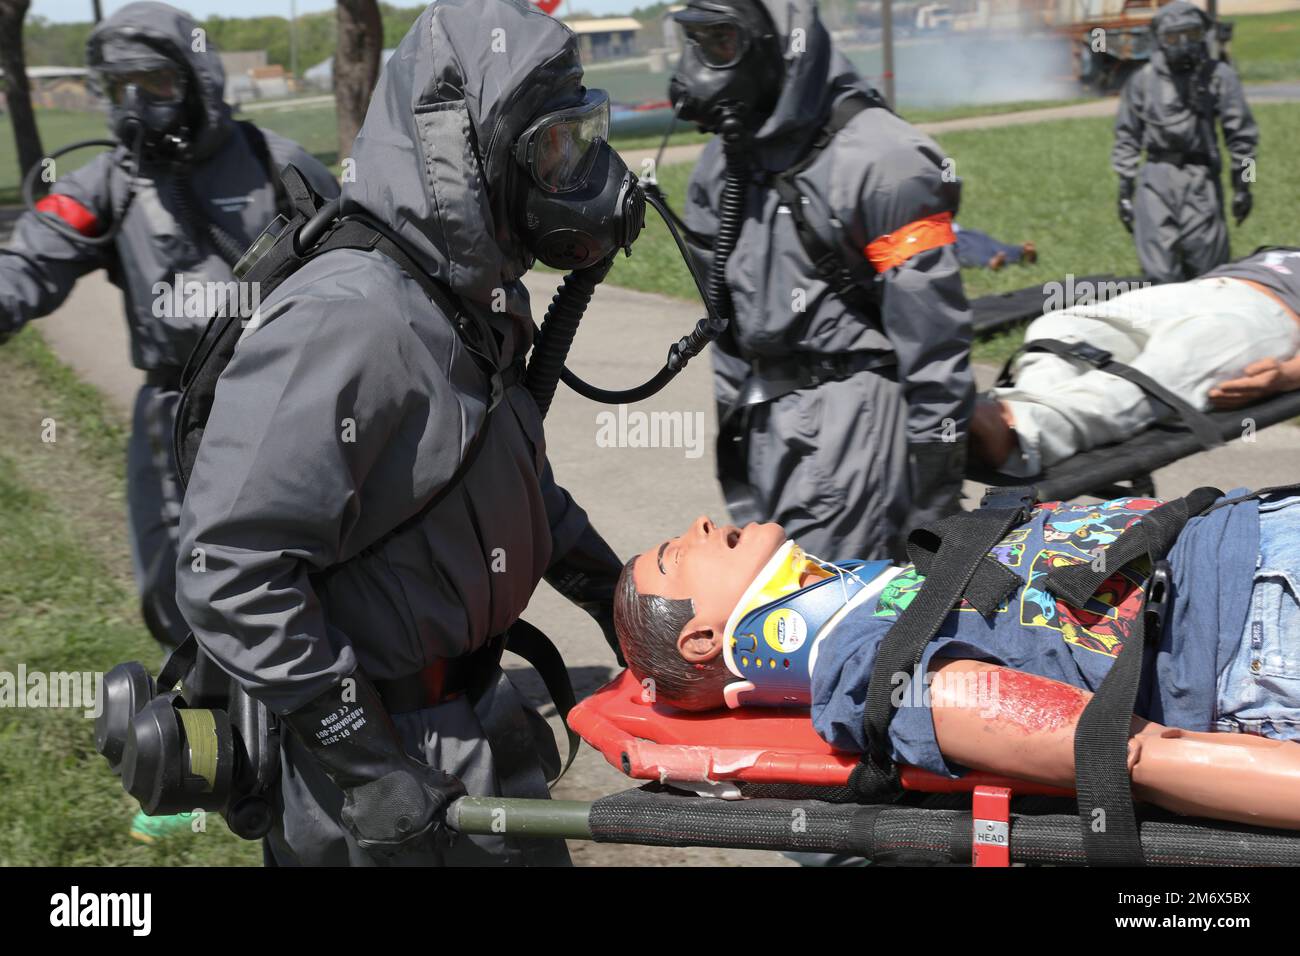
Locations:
{"points": [[1034, 632]]}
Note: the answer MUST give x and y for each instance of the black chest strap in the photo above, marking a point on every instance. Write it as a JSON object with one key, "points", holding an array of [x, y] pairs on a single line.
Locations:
{"points": [[257, 143], [854, 281], [963, 544], [1194, 420]]}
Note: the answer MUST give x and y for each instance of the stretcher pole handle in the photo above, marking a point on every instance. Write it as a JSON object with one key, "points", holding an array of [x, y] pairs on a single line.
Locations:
{"points": [[494, 816]]}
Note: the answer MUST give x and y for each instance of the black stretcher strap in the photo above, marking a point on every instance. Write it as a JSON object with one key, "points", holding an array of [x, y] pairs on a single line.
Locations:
{"points": [[1196, 421], [1102, 781], [538, 650], [965, 540]]}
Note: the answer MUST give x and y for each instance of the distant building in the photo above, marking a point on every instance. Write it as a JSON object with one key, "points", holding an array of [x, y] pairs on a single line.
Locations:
{"points": [[59, 88], [239, 85], [609, 39]]}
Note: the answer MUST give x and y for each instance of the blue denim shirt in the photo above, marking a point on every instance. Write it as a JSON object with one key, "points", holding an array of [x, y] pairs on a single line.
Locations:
{"points": [[1259, 680]]}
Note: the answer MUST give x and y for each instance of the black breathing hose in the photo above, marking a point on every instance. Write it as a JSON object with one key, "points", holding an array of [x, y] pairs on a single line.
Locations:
{"points": [[226, 245], [547, 367], [558, 329], [731, 213]]}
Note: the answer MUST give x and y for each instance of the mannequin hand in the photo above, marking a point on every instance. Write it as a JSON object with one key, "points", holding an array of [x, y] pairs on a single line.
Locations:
{"points": [[1263, 378]]}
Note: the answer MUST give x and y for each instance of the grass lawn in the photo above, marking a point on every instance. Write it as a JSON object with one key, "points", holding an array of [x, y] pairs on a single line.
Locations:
{"points": [[1266, 46], [67, 604]]}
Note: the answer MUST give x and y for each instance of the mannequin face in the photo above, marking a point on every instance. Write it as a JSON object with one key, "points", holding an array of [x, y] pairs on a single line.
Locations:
{"points": [[711, 566]]}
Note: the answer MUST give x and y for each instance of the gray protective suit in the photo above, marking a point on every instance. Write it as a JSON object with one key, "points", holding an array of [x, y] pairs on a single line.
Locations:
{"points": [[836, 464], [353, 403], [1179, 224], [156, 243]]}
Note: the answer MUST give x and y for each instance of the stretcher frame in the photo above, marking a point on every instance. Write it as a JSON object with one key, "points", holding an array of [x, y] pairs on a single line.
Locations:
{"points": [[709, 780]]}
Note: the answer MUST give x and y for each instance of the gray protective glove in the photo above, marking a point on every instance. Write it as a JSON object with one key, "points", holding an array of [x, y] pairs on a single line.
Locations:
{"points": [[586, 574], [1126, 214], [937, 470], [392, 803]]}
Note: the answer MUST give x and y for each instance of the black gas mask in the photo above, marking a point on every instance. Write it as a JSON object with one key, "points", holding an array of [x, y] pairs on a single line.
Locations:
{"points": [[148, 102], [1184, 46], [576, 202], [731, 64]]}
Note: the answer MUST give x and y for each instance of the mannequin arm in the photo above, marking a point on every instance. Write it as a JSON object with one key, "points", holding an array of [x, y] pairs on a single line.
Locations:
{"points": [[1020, 725]]}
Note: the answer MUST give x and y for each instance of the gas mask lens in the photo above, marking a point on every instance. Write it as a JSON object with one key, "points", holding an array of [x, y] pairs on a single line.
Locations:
{"points": [[720, 43], [1181, 39], [155, 86], [559, 149]]}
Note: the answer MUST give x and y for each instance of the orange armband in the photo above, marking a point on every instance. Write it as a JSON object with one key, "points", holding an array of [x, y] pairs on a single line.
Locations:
{"points": [[895, 248]]}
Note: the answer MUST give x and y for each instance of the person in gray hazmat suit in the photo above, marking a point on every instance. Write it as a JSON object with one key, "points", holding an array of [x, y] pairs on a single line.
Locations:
{"points": [[1173, 204], [843, 384], [352, 404], [167, 213]]}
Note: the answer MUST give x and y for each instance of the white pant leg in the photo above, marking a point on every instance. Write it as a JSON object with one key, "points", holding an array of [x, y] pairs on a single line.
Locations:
{"points": [[1048, 388]]}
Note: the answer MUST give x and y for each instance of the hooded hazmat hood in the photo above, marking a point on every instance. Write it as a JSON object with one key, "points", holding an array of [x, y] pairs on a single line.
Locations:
{"points": [[1178, 15], [815, 77], [139, 28], [433, 159]]}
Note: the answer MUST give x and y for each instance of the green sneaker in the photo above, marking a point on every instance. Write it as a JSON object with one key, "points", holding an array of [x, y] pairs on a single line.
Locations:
{"points": [[149, 829]]}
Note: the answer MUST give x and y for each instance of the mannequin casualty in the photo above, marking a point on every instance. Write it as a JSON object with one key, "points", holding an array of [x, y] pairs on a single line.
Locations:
{"points": [[722, 616]]}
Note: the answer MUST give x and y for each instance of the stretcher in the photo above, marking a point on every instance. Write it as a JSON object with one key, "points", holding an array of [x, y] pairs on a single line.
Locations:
{"points": [[1125, 468], [763, 779], [1122, 468]]}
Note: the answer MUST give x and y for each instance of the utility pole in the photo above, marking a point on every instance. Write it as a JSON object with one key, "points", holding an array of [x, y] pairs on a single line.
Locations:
{"points": [[887, 49], [97, 10], [293, 38]]}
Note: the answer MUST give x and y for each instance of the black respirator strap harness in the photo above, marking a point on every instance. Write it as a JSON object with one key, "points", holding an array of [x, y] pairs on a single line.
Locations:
{"points": [[854, 280]]}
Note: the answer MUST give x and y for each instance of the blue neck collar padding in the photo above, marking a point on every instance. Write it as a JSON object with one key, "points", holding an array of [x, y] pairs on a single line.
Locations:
{"points": [[770, 650]]}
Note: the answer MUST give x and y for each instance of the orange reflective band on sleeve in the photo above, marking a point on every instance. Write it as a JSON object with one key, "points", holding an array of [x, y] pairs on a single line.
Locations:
{"points": [[895, 248], [70, 211]]}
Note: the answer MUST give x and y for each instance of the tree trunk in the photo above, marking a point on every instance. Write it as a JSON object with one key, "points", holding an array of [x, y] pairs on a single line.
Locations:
{"points": [[356, 66], [18, 95]]}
